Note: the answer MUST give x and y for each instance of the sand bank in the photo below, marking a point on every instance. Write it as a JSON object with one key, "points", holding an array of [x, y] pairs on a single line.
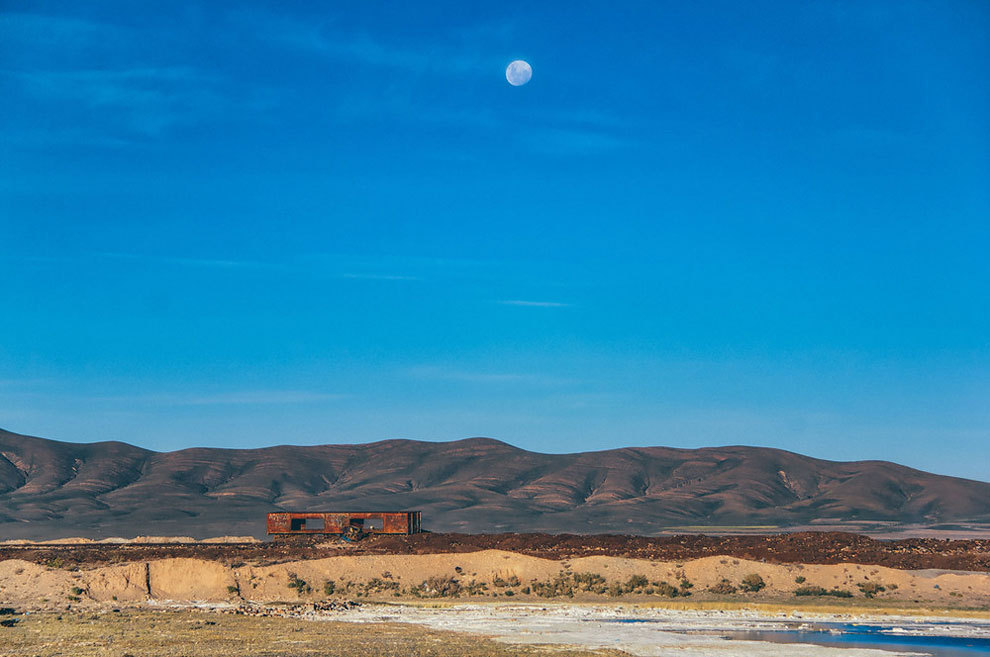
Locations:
{"points": [[489, 574]]}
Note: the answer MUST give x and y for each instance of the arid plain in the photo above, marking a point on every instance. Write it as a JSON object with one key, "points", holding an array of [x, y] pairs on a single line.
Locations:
{"points": [[749, 566], [102, 593]]}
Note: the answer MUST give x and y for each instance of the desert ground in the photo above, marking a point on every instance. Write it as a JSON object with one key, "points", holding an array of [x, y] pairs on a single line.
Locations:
{"points": [[485, 575], [78, 591], [194, 634]]}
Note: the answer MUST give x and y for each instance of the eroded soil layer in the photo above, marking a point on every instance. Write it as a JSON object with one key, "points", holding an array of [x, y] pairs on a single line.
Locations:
{"points": [[804, 547]]}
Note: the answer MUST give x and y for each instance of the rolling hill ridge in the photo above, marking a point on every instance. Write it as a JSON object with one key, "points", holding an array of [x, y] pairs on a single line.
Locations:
{"points": [[50, 489]]}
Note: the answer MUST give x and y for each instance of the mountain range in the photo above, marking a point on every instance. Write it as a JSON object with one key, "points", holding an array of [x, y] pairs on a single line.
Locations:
{"points": [[51, 489]]}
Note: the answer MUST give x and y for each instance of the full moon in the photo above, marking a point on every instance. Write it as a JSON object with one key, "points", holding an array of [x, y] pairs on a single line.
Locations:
{"points": [[518, 73]]}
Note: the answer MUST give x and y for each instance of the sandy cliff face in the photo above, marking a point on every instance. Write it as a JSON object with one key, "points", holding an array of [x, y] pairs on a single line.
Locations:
{"points": [[478, 576], [50, 489]]}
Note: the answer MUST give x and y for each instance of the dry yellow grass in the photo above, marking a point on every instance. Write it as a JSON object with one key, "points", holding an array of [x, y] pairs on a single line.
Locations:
{"points": [[805, 606], [196, 634], [856, 607]]}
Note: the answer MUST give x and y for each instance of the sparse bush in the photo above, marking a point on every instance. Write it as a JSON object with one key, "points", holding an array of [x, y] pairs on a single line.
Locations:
{"points": [[752, 583], [686, 584], [870, 589], [567, 584], [329, 587], [561, 585], [724, 587], [615, 590], [591, 582], [524, 590], [437, 587], [474, 587], [77, 591], [378, 585], [300, 585], [666, 590], [233, 590], [635, 582], [502, 583], [800, 579]]}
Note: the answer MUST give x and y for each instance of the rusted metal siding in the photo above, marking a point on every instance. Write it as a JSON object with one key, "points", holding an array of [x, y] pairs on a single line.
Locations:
{"points": [[370, 522]]}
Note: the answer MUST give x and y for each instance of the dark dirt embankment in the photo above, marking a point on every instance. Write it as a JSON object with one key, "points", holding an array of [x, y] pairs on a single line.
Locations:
{"points": [[804, 547]]}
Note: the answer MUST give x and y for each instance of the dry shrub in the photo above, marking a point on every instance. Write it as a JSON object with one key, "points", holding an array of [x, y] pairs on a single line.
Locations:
{"points": [[752, 583], [724, 587], [870, 589], [437, 587]]}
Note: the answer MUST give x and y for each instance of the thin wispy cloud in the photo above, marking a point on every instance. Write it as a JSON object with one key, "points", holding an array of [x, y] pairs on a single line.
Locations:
{"points": [[397, 268], [467, 377], [187, 262], [555, 131], [534, 304], [327, 39], [143, 258], [233, 398], [21, 383], [44, 139], [328, 268], [298, 264], [439, 373], [61, 61], [573, 141], [380, 277], [146, 100], [370, 51], [38, 30], [406, 106], [380, 260]]}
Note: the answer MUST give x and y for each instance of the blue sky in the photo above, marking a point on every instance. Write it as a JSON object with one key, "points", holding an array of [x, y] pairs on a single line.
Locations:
{"points": [[699, 224]]}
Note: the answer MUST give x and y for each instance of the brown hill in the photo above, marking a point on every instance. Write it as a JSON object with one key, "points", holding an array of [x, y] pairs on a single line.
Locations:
{"points": [[50, 489]]}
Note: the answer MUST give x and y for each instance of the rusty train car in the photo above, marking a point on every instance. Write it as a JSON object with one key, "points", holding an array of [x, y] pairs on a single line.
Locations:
{"points": [[345, 523]]}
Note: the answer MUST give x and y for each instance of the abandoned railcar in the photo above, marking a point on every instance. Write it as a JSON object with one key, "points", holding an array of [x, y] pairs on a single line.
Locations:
{"points": [[345, 522]]}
